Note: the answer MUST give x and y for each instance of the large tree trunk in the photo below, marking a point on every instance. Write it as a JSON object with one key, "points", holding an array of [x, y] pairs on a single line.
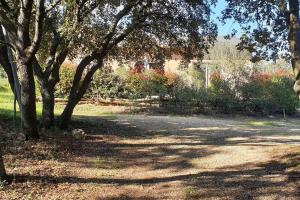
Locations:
{"points": [[294, 40], [65, 118], [47, 85], [47, 120], [2, 169], [28, 101], [76, 94]]}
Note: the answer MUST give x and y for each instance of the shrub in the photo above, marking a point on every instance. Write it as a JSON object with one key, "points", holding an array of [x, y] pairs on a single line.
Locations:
{"points": [[279, 96], [135, 83], [268, 93], [221, 95], [148, 83], [106, 84], [67, 72], [257, 93]]}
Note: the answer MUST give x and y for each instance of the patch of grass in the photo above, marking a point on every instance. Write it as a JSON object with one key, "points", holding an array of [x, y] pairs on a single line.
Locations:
{"points": [[190, 193], [98, 162], [106, 164], [261, 123], [7, 106]]}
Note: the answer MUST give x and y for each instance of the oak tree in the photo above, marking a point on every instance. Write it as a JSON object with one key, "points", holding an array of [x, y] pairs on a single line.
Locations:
{"points": [[271, 29], [126, 27]]}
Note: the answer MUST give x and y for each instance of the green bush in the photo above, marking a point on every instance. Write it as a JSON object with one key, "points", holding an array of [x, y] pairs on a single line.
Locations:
{"points": [[273, 95], [263, 93], [106, 84], [148, 83], [222, 95], [241, 92], [63, 87]]}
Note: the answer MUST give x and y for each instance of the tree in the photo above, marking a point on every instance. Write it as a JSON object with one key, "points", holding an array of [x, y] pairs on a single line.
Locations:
{"points": [[62, 28], [270, 30], [97, 30], [2, 169], [225, 54], [18, 25], [5, 63], [118, 27]]}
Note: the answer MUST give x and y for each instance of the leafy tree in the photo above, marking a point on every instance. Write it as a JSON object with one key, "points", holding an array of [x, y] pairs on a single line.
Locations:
{"points": [[270, 29], [22, 24], [224, 53], [95, 31], [56, 24], [122, 28]]}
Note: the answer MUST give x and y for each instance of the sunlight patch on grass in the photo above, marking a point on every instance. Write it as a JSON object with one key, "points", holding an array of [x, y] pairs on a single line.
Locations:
{"points": [[7, 106], [261, 123]]}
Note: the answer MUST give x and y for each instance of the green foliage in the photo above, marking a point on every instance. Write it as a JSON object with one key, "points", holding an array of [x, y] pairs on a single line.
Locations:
{"points": [[106, 84], [222, 96], [241, 92], [67, 72], [265, 93], [2, 72], [270, 96], [150, 83]]}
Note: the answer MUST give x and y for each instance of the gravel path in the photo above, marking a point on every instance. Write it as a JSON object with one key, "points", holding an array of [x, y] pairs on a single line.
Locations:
{"points": [[138, 157], [170, 157]]}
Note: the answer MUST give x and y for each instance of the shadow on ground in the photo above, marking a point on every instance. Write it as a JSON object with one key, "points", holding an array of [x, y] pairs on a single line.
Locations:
{"points": [[128, 145]]}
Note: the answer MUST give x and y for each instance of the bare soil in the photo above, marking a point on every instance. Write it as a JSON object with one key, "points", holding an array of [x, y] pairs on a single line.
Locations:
{"points": [[159, 157]]}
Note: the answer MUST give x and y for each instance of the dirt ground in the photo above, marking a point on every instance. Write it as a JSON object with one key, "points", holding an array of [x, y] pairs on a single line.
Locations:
{"points": [[160, 157]]}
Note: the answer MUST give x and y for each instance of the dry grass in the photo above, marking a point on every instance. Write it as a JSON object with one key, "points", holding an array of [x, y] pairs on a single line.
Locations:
{"points": [[148, 157]]}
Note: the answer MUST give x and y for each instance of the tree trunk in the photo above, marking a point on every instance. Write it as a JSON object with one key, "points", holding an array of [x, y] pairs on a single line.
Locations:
{"points": [[65, 118], [4, 61], [294, 40], [28, 101], [47, 120], [2, 169], [76, 95]]}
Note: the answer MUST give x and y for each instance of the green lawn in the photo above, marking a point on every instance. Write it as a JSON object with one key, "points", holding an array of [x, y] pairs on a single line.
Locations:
{"points": [[7, 106]]}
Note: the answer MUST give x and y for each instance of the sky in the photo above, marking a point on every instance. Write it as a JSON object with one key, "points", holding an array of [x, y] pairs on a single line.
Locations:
{"points": [[230, 24]]}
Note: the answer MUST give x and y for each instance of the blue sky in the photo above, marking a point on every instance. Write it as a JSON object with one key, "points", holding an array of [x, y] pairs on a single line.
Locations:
{"points": [[230, 24]]}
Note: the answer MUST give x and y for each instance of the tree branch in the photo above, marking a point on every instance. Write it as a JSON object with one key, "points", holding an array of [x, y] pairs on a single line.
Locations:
{"points": [[9, 26], [39, 18], [5, 5], [7, 44], [52, 6]]}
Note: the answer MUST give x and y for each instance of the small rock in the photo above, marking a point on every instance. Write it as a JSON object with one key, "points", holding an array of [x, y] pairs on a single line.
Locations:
{"points": [[79, 134]]}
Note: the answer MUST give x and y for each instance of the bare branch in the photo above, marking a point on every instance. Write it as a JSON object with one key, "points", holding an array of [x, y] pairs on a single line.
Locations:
{"points": [[9, 26], [5, 5], [7, 44], [39, 18], [52, 6]]}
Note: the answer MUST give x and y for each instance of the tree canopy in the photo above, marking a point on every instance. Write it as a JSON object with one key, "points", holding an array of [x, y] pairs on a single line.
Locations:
{"points": [[93, 31], [270, 29]]}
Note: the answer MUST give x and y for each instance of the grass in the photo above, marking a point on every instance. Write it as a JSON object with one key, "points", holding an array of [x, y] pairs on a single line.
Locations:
{"points": [[189, 193], [7, 106], [261, 123]]}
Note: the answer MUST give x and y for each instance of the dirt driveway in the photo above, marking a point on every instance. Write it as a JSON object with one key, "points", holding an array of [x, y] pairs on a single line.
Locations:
{"points": [[170, 157]]}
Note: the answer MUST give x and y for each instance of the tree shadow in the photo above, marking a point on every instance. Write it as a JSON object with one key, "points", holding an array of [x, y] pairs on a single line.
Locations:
{"points": [[240, 182], [107, 135], [130, 145]]}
